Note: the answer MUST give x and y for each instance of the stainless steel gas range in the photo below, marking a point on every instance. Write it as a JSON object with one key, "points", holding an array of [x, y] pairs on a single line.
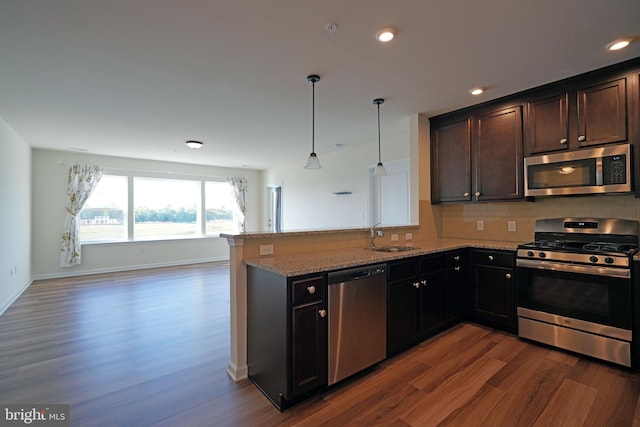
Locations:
{"points": [[575, 286]]}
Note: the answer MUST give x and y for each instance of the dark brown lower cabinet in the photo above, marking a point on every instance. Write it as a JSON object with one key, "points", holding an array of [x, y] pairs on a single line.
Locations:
{"points": [[414, 301], [286, 334], [309, 338], [492, 297], [287, 323], [456, 276]]}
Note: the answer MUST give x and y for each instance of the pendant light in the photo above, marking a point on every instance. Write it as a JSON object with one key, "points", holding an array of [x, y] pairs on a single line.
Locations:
{"points": [[379, 171], [194, 144], [312, 161]]}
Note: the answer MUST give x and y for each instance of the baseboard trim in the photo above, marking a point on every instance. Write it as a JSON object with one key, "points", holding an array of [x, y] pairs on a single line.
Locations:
{"points": [[59, 275], [237, 373], [15, 297]]}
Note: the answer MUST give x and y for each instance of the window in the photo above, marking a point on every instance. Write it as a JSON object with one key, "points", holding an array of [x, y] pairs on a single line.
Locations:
{"points": [[157, 208], [221, 211], [104, 215], [165, 208]]}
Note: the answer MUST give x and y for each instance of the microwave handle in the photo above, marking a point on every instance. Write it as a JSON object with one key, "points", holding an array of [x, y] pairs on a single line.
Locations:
{"points": [[599, 174]]}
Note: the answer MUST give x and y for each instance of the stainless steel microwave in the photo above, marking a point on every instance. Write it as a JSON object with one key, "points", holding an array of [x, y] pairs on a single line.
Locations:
{"points": [[589, 171]]}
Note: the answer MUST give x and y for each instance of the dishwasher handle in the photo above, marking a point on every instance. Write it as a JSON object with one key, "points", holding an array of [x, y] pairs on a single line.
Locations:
{"points": [[360, 275], [357, 274]]}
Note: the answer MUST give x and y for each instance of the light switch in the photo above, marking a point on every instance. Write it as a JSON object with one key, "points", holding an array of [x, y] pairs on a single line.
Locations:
{"points": [[408, 236], [511, 226], [480, 225], [394, 237]]}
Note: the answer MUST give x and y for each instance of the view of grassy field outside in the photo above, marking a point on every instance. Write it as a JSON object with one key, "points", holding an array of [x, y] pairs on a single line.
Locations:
{"points": [[117, 232], [163, 208]]}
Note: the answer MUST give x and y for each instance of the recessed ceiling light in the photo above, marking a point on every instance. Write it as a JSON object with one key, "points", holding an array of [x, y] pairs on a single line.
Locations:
{"points": [[194, 144], [619, 44], [386, 34], [476, 91]]}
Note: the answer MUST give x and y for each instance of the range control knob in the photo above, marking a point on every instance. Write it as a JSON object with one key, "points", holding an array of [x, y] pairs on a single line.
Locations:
{"points": [[593, 258], [530, 253], [542, 255], [608, 260]]}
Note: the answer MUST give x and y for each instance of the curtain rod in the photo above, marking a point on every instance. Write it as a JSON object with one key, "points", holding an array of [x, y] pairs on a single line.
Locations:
{"points": [[112, 169]]}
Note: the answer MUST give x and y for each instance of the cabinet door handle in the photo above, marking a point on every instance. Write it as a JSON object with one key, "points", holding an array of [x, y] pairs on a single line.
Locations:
{"points": [[478, 194], [457, 268], [466, 194], [490, 257], [423, 282], [563, 141], [456, 258], [508, 275], [582, 138], [416, 285], [322, 313], [311, 290]]}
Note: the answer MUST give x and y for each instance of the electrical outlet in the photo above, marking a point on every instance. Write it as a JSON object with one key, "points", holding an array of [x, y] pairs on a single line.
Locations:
{"points": [[266, 250], [480, 225], [511, 226], [408, 236], [394, 237]]}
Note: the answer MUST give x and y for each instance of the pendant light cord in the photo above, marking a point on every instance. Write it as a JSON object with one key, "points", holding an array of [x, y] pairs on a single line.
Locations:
{"points": [[313, 116], [379, 151]]}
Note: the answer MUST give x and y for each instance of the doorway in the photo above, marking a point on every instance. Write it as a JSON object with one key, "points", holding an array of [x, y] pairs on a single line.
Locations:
{"points": [[274, 209], [389, 194]]}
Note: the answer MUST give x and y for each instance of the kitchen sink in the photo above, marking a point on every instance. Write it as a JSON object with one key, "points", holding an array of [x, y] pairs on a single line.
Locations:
{"points": [[393, 248]]}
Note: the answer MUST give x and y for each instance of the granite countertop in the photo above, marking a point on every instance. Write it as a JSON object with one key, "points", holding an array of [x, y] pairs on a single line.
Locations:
{"points": [[295, 265], [313, 232]]}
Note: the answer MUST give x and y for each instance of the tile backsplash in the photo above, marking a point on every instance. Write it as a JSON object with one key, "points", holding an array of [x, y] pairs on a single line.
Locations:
{"points": [[461, 221]]}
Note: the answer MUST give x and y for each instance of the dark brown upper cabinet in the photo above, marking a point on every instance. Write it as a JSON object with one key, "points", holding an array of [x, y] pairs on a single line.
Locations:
{"points": [[497, 148], [451, 160], [477, 157], [577, 117], [602, 113], [477, 152], [547, 127]]}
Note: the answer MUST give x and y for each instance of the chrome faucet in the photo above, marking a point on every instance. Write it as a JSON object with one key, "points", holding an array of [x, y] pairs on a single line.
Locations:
{"points": [[375, 233]]}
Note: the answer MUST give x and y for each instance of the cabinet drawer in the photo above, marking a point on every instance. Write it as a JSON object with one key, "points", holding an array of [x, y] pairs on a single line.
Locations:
{"points": [[493, 258], [402, 269], [431, 264], [307, 290]]}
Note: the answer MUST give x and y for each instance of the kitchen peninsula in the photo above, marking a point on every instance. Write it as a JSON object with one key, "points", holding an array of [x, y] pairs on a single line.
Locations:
{"points": [[306, 252]]}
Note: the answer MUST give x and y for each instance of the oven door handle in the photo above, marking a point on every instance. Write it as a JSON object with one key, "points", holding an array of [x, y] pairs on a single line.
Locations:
{"points": [[622, 273]]}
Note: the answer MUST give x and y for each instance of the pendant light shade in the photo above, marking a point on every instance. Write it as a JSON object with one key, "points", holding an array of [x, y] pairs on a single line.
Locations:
{"points": [[194, 144], [313, 162], [379, 171]]}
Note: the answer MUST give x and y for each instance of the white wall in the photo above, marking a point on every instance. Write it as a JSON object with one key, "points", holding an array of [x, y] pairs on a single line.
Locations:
{"points": [[15, 215], [50, 170], [308, 201]]}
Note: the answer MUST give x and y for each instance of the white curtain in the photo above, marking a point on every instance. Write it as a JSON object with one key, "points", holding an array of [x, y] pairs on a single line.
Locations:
{"points": [[82, 181], [239, 188]]}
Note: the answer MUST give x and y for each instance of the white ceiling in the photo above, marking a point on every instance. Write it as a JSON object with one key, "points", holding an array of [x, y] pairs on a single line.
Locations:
{"points": [[136, 78]]}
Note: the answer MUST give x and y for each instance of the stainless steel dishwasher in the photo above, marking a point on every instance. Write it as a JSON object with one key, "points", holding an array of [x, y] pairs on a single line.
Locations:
{"points": [[357, 320]]}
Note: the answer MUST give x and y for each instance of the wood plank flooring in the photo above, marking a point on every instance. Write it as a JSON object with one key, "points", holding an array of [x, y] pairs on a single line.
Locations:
{"points": [[150, 348]]}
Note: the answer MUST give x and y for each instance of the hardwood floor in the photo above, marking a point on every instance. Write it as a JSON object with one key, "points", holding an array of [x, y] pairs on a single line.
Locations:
{"points": [[150, 348]]}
